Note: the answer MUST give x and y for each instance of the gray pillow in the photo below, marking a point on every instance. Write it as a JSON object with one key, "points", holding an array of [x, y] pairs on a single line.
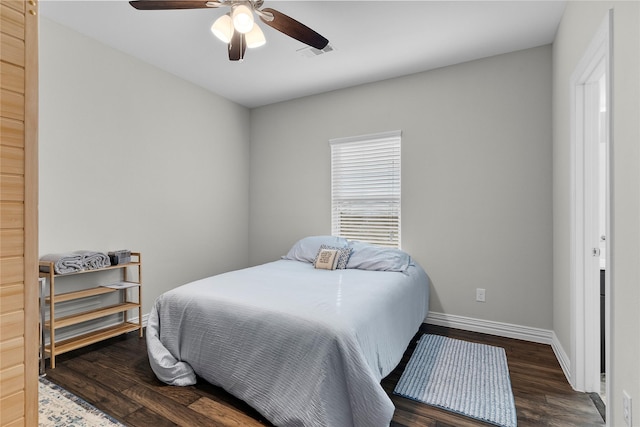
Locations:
{"points": [[365, 256], [307, 248]]}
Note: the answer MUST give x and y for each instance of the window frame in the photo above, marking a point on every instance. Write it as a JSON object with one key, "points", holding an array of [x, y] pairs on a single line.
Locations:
{"points": [[380, 178]]}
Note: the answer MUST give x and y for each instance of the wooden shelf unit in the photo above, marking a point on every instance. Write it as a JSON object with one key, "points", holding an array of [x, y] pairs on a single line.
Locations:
{"points": [[126, 325]]}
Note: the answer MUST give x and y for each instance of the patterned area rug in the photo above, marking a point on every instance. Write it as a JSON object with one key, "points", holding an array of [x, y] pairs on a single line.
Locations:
{"points": [[462, 377], [57, 408]]}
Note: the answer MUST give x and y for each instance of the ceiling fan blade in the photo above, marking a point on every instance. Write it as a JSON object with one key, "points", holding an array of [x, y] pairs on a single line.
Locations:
{"points": [[170, 4], [293, 28], [237, 46]]}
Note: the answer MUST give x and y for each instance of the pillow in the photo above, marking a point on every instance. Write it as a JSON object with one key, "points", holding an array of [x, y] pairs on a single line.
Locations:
{"points": [[307, 248], [340, 260], [327, 259], [365, 256]]}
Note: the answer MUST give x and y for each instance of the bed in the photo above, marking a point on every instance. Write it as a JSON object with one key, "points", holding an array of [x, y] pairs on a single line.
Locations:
{"points": [[302, 345]]}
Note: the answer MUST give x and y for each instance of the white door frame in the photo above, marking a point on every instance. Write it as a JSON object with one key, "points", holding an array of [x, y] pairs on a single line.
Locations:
{"points": [[585, 295]]}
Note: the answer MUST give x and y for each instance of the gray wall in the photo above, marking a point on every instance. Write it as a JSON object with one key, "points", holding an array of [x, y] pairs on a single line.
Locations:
{"points": [[133, 157], [579, 25], [476, 178]]}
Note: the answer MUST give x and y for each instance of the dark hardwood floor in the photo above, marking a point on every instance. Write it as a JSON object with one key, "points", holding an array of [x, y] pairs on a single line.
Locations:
{"points": [[115, 376]]}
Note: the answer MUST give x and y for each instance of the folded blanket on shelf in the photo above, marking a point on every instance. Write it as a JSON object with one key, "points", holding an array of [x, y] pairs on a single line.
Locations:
{"points": [[71, 262], [63, 263], [94, 260]]}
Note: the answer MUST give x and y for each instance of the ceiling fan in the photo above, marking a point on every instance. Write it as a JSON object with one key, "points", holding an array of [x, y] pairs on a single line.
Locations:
{"points": [[237, 28]]}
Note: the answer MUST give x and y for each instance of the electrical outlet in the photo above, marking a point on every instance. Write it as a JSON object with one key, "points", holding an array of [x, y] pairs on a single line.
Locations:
{"points": [[480, 295], [626, 408]]}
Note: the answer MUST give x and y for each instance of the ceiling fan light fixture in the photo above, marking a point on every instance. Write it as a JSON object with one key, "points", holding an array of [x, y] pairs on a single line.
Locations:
{"points": [[242, 18], [238, 28], [222, 28], [255, 37]]}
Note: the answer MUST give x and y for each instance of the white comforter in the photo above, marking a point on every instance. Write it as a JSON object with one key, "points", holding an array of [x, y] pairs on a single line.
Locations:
{"points": [[305, 347]]}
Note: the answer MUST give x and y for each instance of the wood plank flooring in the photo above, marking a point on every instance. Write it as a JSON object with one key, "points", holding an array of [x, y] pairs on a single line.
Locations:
{"points": [[115, 376]]}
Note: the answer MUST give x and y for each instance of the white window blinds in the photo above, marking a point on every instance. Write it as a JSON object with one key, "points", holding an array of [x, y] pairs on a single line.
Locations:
{"points": [[365, 188]]}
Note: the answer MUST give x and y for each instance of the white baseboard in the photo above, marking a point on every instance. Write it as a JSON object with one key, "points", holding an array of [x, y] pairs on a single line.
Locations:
{"points": [[507, 330], [563, 359], [490, 327]]}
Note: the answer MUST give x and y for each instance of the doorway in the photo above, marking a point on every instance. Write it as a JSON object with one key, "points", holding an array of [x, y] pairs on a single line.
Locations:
{"points": [[590, 213]]}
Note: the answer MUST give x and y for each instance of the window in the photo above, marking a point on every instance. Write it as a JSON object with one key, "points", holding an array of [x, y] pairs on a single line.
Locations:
{"points": [[365, 188]]}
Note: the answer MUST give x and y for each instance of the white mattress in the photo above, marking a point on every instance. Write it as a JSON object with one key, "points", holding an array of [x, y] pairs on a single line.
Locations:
{"points": [[305, 347]]}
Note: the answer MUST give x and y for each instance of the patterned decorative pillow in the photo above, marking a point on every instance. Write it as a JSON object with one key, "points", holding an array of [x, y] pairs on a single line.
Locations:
{"points": [[342, 255], [327, 259]]}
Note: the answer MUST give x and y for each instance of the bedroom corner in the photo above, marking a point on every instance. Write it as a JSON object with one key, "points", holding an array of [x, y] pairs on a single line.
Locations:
{"points": [[134, 157]]}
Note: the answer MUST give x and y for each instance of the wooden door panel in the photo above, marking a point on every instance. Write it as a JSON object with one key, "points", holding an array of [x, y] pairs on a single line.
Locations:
{"points": [[12, 105], [12, 132], [11, 77], [11, 160], [12, 297], [12, 21], [12, 379], [12, 352], [18, 213], [12, 215], [11, 326], [12, 271], [12, 410], [12, 49], [12, 188], [11, 244], [18, 5]]}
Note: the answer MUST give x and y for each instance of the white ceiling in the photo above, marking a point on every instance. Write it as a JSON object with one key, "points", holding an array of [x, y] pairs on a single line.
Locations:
{"points": [[372, 41]]}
